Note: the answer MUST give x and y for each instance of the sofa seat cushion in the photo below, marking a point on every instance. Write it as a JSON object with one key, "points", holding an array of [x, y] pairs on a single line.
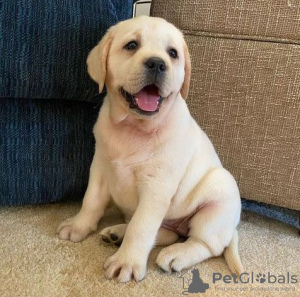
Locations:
{"points": [[46, 148]]}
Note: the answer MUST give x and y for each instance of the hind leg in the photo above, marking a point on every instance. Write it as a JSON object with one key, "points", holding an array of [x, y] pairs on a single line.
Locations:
{"points": [[115, 234], [211, 228]]}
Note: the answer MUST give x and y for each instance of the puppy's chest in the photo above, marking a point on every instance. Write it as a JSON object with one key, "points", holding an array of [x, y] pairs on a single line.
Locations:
{"points": [[126, 158], [122, 166], [122, 183]]}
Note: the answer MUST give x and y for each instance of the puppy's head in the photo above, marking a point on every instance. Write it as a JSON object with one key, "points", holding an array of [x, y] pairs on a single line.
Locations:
{"points": [[144, 63]]}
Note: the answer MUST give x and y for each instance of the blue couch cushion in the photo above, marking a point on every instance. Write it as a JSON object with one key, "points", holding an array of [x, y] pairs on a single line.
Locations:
{"points": [[44, 45], [46, 148]]}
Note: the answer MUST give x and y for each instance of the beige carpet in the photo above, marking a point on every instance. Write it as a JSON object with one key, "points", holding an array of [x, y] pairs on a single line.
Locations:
{"points": [[35, 263]]}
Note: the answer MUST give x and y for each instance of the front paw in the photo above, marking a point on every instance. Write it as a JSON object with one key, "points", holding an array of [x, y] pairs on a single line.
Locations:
{"points": [[74, 229], [124, 266]]}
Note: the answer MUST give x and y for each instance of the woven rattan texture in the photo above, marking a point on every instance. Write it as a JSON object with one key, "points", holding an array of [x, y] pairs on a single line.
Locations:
{"points": [[257, 19], [245, 95]]}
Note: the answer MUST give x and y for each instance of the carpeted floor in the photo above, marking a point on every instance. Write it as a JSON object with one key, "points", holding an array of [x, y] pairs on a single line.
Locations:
{"points": [[35, 263]]}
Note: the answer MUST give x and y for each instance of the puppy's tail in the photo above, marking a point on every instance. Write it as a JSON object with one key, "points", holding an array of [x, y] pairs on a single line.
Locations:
{"points": [[232, 256]]}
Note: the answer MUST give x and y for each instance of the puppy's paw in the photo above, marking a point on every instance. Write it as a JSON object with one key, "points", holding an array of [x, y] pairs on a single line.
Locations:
{"points": [[124, 267], [114, 234], [74, 229], [173, 258]]}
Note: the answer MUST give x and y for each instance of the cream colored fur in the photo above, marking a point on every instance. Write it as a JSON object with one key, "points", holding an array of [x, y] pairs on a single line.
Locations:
{"points": [[154, 167]]}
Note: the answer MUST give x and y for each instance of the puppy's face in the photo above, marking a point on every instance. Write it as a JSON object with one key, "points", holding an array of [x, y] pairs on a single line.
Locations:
{"points": [[144, 63]]}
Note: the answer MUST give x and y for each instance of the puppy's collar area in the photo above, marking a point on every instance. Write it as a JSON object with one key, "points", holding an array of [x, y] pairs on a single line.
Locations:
{"points": [[147, 101]]}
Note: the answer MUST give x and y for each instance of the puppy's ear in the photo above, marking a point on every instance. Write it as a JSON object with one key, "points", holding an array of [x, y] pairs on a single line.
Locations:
{"points": [[97, 59], [187, 73]]}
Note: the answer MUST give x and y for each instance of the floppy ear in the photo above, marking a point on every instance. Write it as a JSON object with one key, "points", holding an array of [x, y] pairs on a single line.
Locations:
{"points": [[97, 59], [187, 73]]}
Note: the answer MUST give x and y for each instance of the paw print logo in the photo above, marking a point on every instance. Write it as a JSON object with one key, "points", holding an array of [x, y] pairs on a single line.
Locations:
{"points": [[260, 278]]}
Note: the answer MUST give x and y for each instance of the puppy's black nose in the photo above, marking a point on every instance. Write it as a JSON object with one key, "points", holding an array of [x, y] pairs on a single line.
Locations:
{"points": [[156, 65]]}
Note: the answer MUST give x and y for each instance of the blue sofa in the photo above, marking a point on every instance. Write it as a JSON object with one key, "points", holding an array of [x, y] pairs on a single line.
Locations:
{"points": [[48, 104]]}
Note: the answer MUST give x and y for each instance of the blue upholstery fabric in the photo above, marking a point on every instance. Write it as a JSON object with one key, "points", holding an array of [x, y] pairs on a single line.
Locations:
{"points": [[44, 45], [46, 146]]}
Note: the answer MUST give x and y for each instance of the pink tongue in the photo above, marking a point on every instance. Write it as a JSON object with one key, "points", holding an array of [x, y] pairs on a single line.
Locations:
{"points": [[147, 98]]}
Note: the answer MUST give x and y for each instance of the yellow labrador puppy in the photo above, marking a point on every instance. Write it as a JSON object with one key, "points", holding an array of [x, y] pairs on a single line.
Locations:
{"points": [[153, 159]]}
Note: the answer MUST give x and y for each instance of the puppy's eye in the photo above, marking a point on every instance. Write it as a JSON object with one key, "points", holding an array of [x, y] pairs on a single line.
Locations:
{"points": [[131, 46], [173, 53]]}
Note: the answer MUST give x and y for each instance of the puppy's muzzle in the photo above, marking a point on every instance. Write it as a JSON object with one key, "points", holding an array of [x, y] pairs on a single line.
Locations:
{"points": [[147, 100], [155, 67]]}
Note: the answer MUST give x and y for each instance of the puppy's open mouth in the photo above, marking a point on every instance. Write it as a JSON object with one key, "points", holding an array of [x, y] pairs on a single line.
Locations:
{"points": [[147, 101]]}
